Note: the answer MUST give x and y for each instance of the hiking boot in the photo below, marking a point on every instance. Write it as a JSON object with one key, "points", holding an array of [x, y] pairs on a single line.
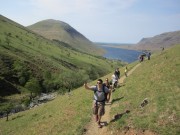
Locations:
{"points": [[99, 125]]}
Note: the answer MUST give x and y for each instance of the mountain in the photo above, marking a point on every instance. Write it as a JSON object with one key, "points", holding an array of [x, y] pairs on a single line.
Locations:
{"points": [[31, 63], [61, 31], [155, 43], [165, 40]]}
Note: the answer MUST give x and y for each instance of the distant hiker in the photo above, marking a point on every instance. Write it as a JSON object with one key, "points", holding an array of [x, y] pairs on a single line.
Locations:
{"points": [[114, 80], [141, 58], [125, 71], [149, 56], [100, 92], [107, 84], [117, 73], [162, 48]]}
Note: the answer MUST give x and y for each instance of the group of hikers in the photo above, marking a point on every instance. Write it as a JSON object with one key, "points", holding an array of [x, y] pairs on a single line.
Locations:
{"points": [[141, 57], [102, 94], [103, 91]]}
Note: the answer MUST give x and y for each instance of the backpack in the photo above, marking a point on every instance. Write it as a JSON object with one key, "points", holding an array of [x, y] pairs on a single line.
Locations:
{"points": [[96, 92]]}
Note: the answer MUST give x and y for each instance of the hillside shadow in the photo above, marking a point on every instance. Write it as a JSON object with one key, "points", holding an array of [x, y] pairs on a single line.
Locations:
{"points": [[119, 116], [117, 99], [19, 116], [7, 88]]}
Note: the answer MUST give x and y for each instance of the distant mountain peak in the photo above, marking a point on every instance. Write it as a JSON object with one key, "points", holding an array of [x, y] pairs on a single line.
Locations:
{"points": [[59, 30]]}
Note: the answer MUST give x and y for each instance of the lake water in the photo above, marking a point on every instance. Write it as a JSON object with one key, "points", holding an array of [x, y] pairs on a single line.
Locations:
{"points": [[121, 54]]}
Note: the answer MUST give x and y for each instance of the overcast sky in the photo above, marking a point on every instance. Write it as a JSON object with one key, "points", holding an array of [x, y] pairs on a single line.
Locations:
{"points": [[111, 21]]}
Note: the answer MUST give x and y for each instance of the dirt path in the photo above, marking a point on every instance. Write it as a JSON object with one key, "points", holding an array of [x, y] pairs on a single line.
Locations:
{"points": [[92, 128]]}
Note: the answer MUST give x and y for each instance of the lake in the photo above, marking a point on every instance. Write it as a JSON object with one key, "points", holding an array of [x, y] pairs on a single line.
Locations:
{"points": [[121, 54]]}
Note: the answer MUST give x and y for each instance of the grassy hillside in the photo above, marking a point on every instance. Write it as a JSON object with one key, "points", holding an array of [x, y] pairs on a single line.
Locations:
{"points": [[158, 81], [61, 31], [66, 115], [32, 63], [157, 42]]}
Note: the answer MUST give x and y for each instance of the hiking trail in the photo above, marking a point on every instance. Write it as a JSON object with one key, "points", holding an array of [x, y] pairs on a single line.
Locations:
{"points": [[92, 127]]}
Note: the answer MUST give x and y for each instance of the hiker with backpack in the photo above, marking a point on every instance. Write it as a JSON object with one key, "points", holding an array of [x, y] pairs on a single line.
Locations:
{"points": [[100, 95], [114, 80], [107, 84]]}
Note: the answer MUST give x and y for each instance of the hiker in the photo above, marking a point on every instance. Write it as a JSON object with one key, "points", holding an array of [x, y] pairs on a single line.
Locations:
{"points": [[114, 80], [149, 56], [107, 84], [141, 58], [117, 73], [162, 48], [125, 71], [100, 92]]}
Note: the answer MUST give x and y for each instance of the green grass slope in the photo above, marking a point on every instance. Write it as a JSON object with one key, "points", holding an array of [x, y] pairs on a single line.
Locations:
{"points": [[61, 31], [66, 115], [158, 80]]}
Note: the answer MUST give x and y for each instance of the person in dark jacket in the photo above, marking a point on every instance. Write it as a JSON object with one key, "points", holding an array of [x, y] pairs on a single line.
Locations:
{"points": [[149, 56], [117, 73]]}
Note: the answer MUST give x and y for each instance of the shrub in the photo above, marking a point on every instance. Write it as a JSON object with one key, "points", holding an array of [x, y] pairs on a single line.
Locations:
{"points": [[33, 86]]}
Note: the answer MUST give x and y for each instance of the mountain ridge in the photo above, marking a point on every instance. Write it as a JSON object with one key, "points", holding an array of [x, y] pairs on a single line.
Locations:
{"points": [[59, 30], [157, 42]]}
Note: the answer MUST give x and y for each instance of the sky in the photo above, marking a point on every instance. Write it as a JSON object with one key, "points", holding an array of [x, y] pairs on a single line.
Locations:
{"points": [[108, 21]]}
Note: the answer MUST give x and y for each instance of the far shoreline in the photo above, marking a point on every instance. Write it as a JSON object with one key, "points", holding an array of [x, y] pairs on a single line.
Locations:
{"points": [[128, 47]]}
